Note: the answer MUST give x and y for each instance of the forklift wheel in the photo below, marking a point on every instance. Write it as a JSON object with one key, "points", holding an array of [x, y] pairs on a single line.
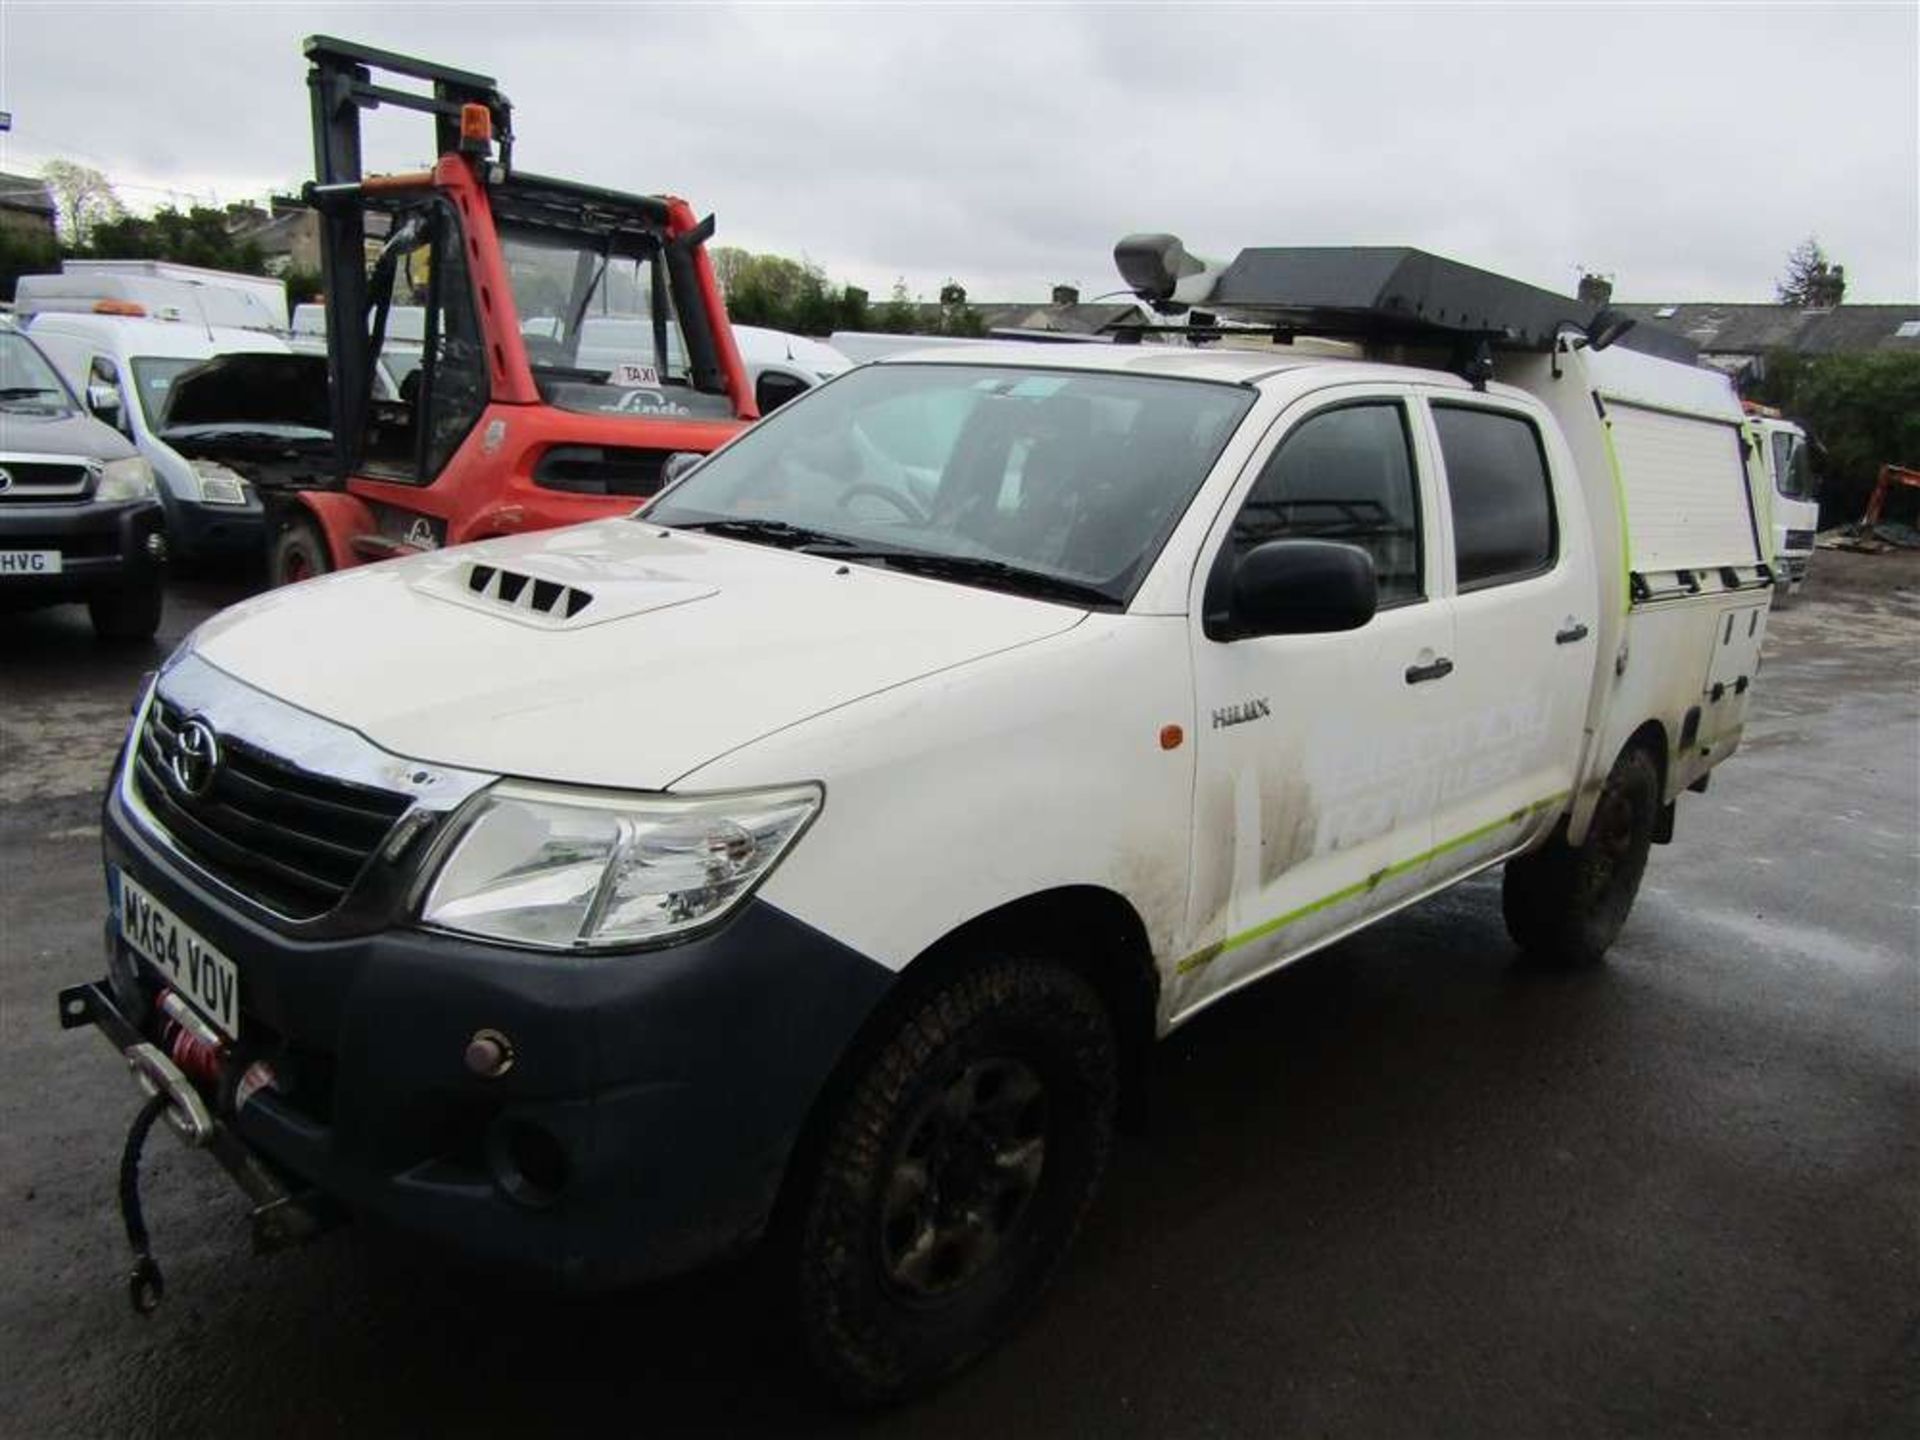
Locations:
{"points": [[299, 553]]}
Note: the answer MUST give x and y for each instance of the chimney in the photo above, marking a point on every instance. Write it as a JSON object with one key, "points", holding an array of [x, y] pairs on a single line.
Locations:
{"points": [[1066, 295], [1596, 290]]}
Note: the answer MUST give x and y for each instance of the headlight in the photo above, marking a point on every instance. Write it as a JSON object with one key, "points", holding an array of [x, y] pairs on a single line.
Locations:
{"points": [[218, 484], [590, 870], [129, 479]]}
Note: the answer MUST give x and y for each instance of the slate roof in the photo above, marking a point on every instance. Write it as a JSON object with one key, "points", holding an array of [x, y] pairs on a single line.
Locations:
{"points": [[25, 192], [1734, 329]]}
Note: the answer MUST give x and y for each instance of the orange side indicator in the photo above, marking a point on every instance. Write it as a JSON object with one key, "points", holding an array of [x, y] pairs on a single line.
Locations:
{"points": [[1171, 736]]}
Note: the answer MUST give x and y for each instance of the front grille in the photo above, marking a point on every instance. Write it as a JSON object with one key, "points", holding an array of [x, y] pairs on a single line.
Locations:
{"points": [[1799, 540], [289, 839], [44, 481]]}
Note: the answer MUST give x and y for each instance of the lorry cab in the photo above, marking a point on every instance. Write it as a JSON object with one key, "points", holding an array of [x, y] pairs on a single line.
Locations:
{"points": [[122, 359], [485, 287], [1786, 457]]}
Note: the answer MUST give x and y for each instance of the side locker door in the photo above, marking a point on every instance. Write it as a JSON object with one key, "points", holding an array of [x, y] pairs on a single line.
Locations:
{"points": [[1525, 629], [1310, 812]]}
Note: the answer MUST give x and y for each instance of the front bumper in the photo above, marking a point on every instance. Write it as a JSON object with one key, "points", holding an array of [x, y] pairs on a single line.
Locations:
{"points": [[199, 530], [644, 1125], [102, 548]]}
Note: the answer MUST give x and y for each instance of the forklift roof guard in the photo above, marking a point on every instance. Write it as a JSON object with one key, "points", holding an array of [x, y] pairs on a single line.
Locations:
{"points": [[340, 74]]}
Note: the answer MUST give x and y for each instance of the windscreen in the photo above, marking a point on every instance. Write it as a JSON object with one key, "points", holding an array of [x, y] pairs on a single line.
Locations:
{"points": [[1076, 477], [587, 310], [153, 377], [26, 379]]}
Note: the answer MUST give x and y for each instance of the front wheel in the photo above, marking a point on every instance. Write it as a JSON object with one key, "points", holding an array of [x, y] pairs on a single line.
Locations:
{"points": [[132, 613], [299, 552], [951, 1176]]}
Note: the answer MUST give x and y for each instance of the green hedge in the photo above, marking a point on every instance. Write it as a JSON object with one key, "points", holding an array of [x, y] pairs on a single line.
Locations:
{"points": [[1864, 410]]}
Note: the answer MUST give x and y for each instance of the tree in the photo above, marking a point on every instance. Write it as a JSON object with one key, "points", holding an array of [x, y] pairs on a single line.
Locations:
{"points": [[785, 294], [303, 286], [25, 252], [899, 316], [1811, 280], [1863, 410], [82, 199], [192, 237]]}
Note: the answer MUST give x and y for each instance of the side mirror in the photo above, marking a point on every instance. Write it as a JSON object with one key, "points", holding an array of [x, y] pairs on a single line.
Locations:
{"points": [[1291, 587], [774, 388], [678, 464], [103, 400]]}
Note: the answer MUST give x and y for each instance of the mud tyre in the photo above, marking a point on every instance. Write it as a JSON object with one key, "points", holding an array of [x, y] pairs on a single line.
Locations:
{"points": [[299, 552], [1565, 904], [127, 614], [950, 1176]]}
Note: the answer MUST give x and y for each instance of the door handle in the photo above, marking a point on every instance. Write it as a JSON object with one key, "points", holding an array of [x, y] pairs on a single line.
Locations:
{"points": [[1571, 633], [1438, 670]]}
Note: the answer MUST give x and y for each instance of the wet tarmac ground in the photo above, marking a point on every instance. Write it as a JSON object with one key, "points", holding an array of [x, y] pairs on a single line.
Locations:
{"points": [[1405, 1188]]}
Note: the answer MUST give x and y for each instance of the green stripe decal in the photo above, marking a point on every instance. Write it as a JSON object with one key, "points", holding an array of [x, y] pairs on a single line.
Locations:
{"points": [[1208, 954], [1620, 503]]}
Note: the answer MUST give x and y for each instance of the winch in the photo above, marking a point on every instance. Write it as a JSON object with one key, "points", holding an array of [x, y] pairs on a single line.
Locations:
{"points": [[179, 1069]]}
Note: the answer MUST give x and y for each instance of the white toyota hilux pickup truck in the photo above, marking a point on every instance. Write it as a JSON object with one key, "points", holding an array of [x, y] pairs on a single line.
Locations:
{"points": [[816, 854]]}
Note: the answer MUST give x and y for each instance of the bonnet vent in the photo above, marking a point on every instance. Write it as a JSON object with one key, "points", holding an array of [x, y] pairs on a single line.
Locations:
{"points": [[526, 592]]}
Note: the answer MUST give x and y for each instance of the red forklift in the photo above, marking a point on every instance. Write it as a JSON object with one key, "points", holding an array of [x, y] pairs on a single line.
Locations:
{"points": [[505, 351]]}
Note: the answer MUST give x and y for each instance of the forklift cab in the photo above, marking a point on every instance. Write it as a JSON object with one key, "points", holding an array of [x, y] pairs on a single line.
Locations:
{"points": [[508, 412]]}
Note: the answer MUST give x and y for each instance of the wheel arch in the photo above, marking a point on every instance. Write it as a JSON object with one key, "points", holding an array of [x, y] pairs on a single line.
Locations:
{"points": [[1094, 931], [1651, 736], [336, 515]]}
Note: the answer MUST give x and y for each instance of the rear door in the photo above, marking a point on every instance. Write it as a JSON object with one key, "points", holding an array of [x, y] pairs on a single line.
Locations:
{"points": [[1314, 801], [1513, 705]]}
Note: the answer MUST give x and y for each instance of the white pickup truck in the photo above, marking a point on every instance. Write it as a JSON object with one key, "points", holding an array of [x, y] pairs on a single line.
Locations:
{"points": [[816, 854]]}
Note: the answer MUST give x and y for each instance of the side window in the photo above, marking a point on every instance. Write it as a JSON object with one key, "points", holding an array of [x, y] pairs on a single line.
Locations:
{"points": [[1344, 474], [103, 385], [1501, 497], [431, 348], [456, 353], [1791, 475]]}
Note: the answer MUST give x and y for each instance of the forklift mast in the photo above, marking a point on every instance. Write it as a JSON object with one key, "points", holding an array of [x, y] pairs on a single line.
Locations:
{"points": [[341, 85]]}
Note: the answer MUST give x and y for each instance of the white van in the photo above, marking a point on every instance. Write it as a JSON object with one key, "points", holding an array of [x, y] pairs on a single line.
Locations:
{"points": [[163, 289], [122, 363], [779, 365]]}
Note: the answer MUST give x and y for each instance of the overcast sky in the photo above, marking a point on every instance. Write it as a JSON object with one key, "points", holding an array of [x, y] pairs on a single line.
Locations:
{"points": [[1683, 149]]}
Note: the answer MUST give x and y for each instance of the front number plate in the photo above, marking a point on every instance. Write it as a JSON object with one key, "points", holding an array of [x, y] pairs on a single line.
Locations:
{"points": [[29, 562], [205, 978]]}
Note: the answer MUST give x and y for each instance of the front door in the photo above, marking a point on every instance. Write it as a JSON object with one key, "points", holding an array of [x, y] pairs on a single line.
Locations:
{"points": [[1313, 803], [430, 375]]}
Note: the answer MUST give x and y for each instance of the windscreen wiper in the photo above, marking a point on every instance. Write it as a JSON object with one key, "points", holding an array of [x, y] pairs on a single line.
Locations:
{"points": [[979, 570], [25, 392], [771, 532]]}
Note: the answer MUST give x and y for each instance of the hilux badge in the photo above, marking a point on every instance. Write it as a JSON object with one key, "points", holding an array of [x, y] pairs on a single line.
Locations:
{"points": [[1240, 714], [195, 758]]}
